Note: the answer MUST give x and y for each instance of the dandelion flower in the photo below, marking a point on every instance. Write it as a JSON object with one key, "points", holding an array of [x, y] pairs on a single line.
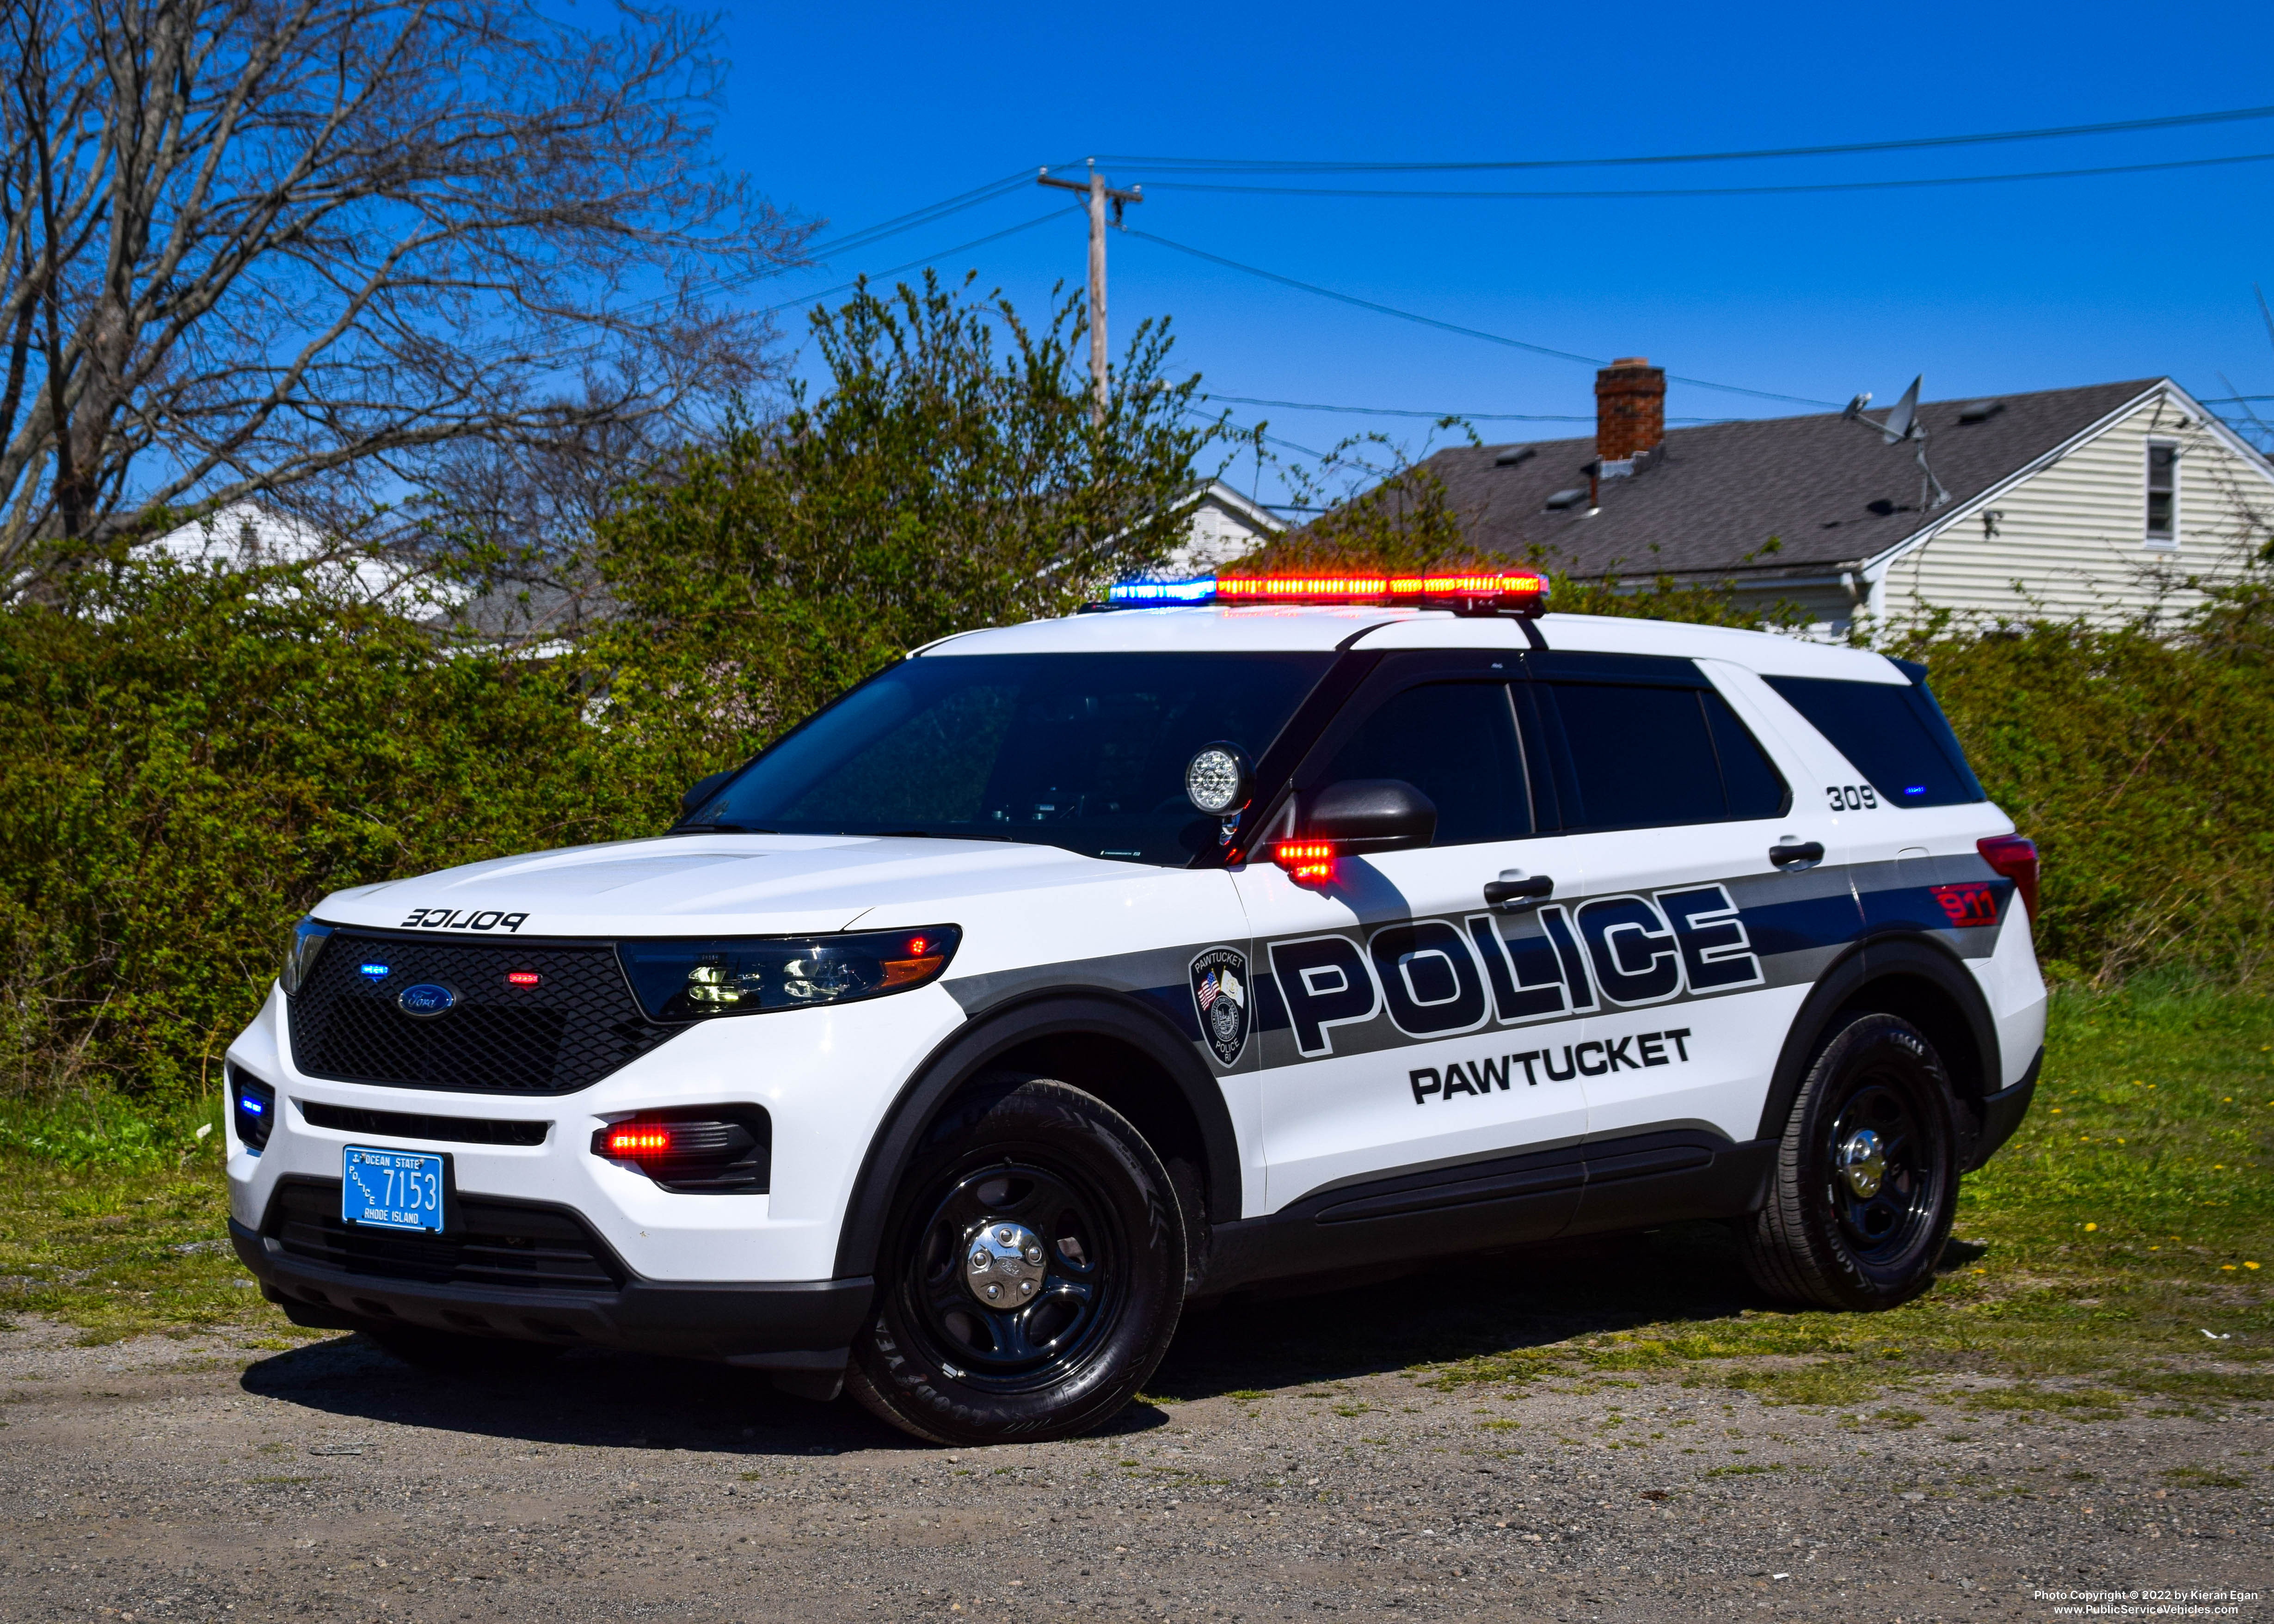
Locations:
{"points": [[2091, 1226]]}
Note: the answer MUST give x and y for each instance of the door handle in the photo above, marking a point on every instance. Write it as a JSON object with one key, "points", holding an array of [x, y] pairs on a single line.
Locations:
{"points": [[1511, 894], [1787, 856]]}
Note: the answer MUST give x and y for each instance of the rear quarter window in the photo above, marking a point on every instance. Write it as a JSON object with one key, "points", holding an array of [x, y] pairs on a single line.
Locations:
{"points": [[1893, 733]]}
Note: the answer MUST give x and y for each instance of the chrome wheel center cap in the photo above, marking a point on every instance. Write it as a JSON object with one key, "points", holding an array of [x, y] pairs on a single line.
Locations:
{"points": [[1863, 1162], [1002, 1264]]}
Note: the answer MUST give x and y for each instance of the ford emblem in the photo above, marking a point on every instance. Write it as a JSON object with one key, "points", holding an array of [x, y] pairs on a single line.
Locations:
{"points": [[426, 1000]]}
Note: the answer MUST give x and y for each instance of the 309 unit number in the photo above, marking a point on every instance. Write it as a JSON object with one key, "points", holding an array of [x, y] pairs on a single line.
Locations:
{"points": [[1851, 797]]}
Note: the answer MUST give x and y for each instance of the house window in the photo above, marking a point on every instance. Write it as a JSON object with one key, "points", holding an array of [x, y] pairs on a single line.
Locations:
{"points": [[2162, 494]]}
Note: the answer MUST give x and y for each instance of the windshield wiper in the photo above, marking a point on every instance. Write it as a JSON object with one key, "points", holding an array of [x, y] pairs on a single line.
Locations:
{"points": [[718, 828]]}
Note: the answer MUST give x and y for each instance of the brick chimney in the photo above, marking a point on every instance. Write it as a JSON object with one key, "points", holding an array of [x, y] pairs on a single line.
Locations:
{"points": [[1630, 408]]}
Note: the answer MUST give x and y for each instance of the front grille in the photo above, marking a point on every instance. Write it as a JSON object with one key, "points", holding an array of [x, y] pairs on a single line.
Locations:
{"points": [[414, 1125], [576, 1025], [492, 1243]]}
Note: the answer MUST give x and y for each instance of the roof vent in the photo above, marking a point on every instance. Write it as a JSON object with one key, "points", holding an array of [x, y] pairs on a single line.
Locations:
{"points": [[1562, 500], [1514, 455], [1980, 411]]}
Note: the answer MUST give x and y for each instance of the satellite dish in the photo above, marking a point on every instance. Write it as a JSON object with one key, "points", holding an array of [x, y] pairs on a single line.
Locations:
{"points": [[1904, 418]]}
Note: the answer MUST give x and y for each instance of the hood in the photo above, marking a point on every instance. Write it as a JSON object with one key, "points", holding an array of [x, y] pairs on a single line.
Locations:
{"points": [[708, 885]]}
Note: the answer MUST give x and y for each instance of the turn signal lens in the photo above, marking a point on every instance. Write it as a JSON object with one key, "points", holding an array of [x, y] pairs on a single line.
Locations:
{"points": [[2015, 859], [921, 959], [1308, 863]]}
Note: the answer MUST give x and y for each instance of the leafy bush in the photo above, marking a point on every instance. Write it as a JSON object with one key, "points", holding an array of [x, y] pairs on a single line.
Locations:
{"points": [[943, 479], [192, 759], [2141, 759]]}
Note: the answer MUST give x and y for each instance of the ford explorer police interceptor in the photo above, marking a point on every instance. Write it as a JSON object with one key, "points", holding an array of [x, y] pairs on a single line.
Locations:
{"points": [[1065, 973]]}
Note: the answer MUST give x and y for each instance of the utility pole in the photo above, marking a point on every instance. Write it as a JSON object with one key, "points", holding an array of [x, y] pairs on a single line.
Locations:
{"points": [[1099, 194]]}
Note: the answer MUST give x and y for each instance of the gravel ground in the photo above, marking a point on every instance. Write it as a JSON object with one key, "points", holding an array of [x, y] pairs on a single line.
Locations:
{"points": [[200, 1479]]}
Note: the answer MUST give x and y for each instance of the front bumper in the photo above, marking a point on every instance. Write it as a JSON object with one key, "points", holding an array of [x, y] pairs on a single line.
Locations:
{"points": [[794, 1325]]}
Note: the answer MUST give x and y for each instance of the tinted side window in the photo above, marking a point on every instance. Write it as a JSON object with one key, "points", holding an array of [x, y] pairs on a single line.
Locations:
{"points": [[1893, 733], [1637, 756], [1456, 744]]}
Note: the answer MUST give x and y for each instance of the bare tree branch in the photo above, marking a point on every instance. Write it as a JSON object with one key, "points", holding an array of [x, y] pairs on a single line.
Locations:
{"points": [[315, 251]]}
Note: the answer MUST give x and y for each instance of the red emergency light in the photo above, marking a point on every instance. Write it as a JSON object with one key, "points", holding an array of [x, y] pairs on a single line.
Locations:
{"points": [[1523, 592], [636, 1140], [1308, 863]]}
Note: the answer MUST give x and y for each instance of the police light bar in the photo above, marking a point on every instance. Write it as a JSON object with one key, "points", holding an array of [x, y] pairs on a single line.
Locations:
{"points": [[1524, 593]]}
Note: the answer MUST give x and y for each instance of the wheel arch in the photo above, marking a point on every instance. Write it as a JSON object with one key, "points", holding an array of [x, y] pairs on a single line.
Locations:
{"points": [[1914, 978], [1127, 1054]]}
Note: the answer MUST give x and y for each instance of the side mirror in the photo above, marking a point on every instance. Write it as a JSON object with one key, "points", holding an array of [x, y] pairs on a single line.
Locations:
{"points": [[701, 790], [1371, 814]]}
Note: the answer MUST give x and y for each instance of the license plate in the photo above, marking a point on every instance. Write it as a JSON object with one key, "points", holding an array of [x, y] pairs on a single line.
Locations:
{"points": [[393, 1189]]}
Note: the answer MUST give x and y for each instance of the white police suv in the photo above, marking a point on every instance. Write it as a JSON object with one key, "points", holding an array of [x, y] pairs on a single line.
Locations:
{"points": [[1065, 973]]}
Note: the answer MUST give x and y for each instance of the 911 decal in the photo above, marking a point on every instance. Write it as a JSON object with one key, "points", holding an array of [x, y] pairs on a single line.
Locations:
{"points": [[1438, 978], [1971, 903]]}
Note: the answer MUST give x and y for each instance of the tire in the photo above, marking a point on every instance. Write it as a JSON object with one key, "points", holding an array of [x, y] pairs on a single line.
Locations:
{"points": [[1086, 1246], [450, 1353], [1866, 1177]]}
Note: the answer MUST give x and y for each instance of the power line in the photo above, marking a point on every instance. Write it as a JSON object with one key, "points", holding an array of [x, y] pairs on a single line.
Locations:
{"points": [[925, 215], [1452, 326], [1402, 411], [977, 241], [868, 236], [1713, 191], [1295, 166]]}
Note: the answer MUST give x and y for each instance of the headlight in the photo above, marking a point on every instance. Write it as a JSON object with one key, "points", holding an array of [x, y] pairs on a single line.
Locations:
{"points": [[696, 980], [308, 939]]}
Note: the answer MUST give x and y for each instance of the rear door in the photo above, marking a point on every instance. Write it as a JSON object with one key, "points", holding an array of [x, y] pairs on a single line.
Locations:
{"points": [[1403, 1023], [1715, 896]]}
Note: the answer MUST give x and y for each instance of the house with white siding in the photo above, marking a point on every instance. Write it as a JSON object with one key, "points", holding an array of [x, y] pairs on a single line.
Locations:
{"points": [[2105, 501], [1220, 525]]}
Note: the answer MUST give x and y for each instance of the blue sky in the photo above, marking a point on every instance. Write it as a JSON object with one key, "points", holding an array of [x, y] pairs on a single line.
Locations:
{"points": [[858, 113]]}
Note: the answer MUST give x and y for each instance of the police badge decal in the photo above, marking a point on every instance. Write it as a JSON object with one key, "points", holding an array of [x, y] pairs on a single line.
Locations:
{"points": [[1220, 995]]}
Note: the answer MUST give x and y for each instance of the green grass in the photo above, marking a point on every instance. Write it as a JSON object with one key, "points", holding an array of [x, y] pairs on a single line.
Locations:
{"points": [[117, 1225]]}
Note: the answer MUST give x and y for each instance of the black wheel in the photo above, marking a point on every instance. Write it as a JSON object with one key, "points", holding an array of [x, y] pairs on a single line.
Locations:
{"points": [[1032, 1274], [449, 1352], [1866, 1177]]}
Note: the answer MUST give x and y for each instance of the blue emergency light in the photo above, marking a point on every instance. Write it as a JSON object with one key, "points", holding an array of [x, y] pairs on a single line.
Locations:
{"points": [[1524, 593]]}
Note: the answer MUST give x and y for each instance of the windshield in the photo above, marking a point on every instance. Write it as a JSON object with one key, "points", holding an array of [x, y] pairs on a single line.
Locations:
{"points": [[1083, 751]]}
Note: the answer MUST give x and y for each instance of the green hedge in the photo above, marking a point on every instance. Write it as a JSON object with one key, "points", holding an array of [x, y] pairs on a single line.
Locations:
{"points": [[191, 760], [2141, 759]]}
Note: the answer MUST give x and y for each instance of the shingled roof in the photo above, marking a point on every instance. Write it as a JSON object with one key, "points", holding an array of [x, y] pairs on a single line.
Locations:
{"points": [[1708, 498]]}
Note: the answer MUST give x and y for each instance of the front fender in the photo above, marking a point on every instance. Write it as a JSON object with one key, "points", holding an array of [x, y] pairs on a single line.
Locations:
{"points": [[986, 1041]]}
